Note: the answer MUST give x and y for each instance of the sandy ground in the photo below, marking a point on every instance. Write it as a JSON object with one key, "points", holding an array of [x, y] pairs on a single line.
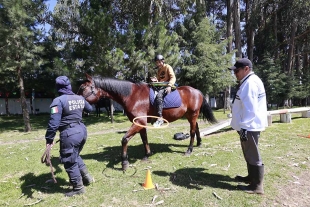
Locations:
{"points": [[295, 193]]}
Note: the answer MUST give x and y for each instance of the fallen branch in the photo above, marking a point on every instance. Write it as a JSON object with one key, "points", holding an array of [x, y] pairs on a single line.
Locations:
{"points": [[218, 197], [31, 204]]}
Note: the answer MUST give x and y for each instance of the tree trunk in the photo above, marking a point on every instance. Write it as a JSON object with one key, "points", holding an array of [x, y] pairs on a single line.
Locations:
{"points": [[275, 33], [237, 28], [290, 56], [112, 111], [23, 101], [230, 6], [229, 29], [7, 103], [249, 30]]}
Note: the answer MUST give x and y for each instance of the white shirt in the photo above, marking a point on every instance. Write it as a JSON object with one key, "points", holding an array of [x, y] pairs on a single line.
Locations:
{"points": [[249, 110]]}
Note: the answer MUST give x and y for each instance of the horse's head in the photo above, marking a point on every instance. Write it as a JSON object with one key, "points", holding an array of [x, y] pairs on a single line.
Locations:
{"points": [[89, 91]]}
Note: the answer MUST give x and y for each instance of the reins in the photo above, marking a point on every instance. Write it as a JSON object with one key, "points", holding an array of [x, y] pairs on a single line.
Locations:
{"points": [[92, 92], [46, 158]]}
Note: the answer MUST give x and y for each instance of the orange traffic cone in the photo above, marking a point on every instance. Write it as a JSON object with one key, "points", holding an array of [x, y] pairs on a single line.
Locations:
{"points": [[148, 184]]}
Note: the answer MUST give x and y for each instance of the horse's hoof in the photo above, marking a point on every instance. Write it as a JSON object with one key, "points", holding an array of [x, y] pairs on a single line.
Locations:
{"points": [[198, 145], [187, 153], [125, 165], [145, 159]]}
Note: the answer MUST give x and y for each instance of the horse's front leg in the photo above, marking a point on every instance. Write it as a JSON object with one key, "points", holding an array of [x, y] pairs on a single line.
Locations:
{"points": [[129, 134], [146, 145], [125, 162]]}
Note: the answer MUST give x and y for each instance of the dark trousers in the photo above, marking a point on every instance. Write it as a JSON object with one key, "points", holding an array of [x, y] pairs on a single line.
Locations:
{"points": [[72, 141], [250, 149], [159, 101]]}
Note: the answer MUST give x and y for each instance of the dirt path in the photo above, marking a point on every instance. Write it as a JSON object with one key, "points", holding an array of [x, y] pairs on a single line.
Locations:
{"points": [[295, 193], [89, 134]]}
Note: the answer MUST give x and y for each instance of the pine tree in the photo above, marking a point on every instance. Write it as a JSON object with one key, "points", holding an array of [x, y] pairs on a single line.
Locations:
{"points": [[20, 42], [206, 60], [278, 85], [159, 40]]}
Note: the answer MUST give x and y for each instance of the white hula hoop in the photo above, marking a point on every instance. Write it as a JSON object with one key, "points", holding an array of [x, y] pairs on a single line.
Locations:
{"points": [[150, 127]]}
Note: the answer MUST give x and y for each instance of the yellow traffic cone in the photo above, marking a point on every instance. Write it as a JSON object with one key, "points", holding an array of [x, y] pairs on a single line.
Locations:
{"points": [[148, 184]]}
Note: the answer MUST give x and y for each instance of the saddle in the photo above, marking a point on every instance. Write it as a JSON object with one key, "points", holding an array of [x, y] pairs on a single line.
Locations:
{"points": [[172, 100]]}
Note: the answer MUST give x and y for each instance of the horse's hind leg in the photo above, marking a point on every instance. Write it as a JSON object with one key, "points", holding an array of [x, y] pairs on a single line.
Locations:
{"points": [[192, 138], [194, 130], [198, 137], [108, 111], [97, 112]]}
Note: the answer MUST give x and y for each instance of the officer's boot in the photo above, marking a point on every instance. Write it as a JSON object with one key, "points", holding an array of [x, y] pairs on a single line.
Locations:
{"points": [[78, 188], [257, 177], [86, 177], [245, 179]]}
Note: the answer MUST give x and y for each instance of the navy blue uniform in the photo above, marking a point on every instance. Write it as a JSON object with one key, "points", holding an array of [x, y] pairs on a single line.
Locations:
{"points": [[66, 116]]}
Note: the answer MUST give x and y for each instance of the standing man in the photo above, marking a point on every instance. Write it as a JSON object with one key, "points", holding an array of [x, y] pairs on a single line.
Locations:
{"points": [[165, 73], [249, 118], [66, 116]]}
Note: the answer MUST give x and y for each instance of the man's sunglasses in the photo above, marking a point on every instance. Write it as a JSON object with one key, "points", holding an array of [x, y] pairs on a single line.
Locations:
{"points": [[237, 70]]}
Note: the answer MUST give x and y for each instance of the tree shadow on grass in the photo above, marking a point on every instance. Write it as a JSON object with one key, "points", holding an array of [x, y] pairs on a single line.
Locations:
{"points": [[196, 178], [43, 182]]}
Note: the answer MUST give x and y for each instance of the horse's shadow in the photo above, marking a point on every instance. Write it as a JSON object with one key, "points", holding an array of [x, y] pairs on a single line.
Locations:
{"points": [[112, 155], [196, 178], [42, 182]]}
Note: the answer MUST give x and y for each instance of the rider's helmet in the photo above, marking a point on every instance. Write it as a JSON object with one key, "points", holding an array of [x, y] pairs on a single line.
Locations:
{"points": [[159, 57]]}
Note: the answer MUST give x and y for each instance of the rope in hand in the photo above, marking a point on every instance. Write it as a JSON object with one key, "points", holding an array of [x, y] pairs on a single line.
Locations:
{"points": [[46, 158]]}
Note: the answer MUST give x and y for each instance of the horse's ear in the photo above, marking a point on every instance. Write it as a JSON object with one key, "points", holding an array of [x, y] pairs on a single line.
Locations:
{"points": [[88, 77]]}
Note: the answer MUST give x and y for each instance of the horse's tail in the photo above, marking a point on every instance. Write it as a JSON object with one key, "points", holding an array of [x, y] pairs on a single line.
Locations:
{"points": [[207, 113]]}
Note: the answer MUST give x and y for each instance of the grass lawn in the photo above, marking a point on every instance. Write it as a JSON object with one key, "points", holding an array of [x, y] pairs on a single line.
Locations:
{"points": [[203, 179]]}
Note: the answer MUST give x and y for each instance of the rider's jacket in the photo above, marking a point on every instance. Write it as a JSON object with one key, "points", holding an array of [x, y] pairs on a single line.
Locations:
{"points": [[166, 74]]}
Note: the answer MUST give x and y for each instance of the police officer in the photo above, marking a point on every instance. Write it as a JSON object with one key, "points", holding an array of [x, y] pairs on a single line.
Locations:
{"points": [[165, 73], [66, 116], [249, 118]]}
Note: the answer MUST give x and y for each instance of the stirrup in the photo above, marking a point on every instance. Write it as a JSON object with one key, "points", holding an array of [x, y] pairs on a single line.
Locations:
{"points": [[158, 123]]}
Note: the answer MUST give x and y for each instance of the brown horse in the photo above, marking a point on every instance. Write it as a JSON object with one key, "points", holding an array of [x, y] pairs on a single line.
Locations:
{"points": [[134, 98], [103, 103]]}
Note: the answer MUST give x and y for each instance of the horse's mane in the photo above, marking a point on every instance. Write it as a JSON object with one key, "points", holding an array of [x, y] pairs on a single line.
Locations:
{"points": [[121, 87]]}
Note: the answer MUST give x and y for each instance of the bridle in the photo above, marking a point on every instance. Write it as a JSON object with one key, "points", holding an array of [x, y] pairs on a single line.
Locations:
{"points": [[92, 91]]}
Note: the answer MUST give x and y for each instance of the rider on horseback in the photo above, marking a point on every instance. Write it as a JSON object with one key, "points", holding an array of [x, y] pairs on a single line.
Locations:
{"points": [[165, 73]]}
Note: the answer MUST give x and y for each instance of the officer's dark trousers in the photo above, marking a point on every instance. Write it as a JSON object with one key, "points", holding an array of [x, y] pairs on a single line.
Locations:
{"points": [[72, 141]]}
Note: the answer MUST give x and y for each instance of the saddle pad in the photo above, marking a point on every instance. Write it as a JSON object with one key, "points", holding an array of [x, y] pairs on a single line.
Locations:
{"points": [[172, 100]]}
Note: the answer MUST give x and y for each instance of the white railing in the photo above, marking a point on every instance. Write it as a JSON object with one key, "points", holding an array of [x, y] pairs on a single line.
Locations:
{"points": [[284, 111], [285, 114]]}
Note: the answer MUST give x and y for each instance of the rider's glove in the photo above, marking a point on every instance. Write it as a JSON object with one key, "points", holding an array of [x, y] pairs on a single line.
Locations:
{"points": [[168, 90], [154, 79], [243, 135]]}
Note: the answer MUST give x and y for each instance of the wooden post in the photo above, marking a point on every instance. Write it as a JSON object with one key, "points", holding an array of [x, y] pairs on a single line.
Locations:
{"points": [[285, 118], [269, 119], [305, 114]]}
